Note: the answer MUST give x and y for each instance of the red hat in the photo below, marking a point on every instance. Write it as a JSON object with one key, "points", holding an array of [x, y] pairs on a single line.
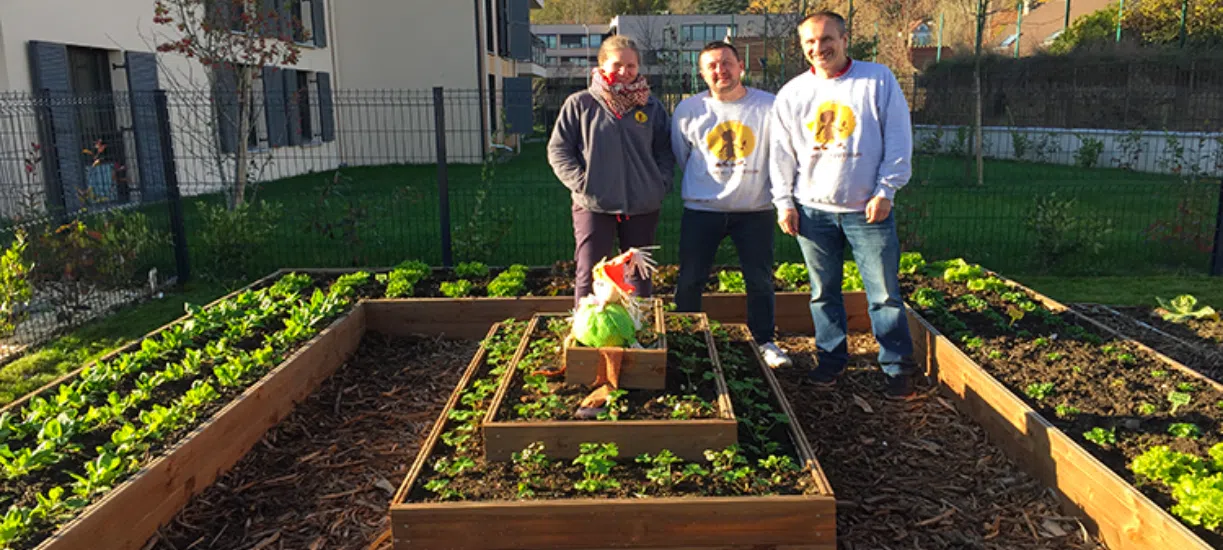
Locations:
{"points": [[614, 270]]}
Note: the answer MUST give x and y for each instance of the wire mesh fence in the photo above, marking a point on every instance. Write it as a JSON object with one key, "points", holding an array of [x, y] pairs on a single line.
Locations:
{"points": [[337, 178]]}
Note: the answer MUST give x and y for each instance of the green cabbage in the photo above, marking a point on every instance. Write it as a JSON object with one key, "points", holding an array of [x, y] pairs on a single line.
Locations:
{"points": [[604, 326]]}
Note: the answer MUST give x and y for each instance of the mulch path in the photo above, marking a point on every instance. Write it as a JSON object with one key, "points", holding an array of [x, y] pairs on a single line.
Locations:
{"points": [[323, 477], [917, 474]]}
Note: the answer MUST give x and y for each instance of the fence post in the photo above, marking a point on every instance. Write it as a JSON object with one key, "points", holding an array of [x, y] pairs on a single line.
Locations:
{"points": [[443, 184], [178, 232], [1216, 255]]}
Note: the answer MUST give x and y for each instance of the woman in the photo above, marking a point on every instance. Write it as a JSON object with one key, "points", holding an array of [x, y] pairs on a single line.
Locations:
{"points": [[611, 147]]}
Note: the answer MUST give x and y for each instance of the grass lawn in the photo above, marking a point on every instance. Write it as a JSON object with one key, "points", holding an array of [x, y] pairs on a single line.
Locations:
{"points": [[390, 213], [1126, 291], [97, 338]]}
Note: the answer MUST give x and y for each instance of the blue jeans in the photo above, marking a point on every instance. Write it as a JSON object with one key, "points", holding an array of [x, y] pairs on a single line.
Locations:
{"points": [[752, 233], [876, 249]]}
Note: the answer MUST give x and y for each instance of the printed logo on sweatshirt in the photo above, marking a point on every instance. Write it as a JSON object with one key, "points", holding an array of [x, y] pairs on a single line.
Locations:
{"points": [[834, 123], [732, 142], [641, 117]]}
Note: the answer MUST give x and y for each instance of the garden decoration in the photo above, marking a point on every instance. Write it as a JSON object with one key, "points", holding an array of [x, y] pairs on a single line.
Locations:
{"points": [[608, 319]]}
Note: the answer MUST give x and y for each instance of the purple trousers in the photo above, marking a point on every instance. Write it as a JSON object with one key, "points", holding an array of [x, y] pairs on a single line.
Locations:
{"points": [[595, 234]]}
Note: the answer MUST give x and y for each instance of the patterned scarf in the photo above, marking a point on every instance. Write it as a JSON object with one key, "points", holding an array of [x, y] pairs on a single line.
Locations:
{"points": [[620, 96]]}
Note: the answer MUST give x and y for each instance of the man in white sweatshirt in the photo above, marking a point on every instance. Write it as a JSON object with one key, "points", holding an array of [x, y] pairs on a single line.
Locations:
{"points": [[841, 147], [720, 139]]}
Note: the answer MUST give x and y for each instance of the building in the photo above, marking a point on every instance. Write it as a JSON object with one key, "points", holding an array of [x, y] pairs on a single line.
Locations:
{"points": [[69, 82]]}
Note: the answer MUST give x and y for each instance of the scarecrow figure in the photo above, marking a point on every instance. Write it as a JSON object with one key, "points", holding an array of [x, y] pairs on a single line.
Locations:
{"points": [[608, 319]]}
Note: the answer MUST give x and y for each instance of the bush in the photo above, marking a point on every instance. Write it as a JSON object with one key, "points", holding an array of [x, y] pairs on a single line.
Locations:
{"points": [[1062, 233], [234, 239]]}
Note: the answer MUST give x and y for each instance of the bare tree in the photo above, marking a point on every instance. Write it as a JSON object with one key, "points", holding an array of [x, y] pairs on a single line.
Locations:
{"points": [[229, 39]]}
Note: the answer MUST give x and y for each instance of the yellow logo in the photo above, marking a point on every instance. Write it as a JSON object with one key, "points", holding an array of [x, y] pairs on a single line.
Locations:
{"points": [[731, 141], [834, 122], [641, 117]]}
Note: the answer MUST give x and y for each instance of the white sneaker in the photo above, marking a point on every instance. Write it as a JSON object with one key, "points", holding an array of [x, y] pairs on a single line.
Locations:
{"points": [[774, 357]]}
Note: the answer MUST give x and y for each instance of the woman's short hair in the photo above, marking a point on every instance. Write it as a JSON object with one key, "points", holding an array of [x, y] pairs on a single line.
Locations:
{"points": [[618, 42]]}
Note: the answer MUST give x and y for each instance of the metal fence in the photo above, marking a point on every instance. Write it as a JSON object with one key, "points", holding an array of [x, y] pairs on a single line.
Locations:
{"points": [[353, 178]]}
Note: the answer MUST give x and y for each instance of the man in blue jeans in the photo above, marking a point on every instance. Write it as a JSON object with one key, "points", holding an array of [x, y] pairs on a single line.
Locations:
{"points": [[841, 148], [720, 138]]}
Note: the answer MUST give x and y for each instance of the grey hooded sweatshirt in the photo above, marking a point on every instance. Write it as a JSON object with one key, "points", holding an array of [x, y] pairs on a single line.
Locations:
{"points": [[610, 165]]}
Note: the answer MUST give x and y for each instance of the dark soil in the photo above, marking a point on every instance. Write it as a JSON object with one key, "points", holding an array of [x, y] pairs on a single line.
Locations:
{"points": [[1101, 384], [688, 361], [916, 474], [1196, 344], [322, 478]]}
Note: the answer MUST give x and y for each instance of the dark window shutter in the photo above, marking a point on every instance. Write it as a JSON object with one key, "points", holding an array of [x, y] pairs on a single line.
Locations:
{"points": [[59, 131], [516, 97], [318, 15], [503, 35], [142, 82], [520, 29], [284, 15], [292, 112], [225, 98], [275, 107], [326, 108]]}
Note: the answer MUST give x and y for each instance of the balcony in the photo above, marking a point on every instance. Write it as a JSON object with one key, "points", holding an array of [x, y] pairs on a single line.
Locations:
{"points": [[537, 66]]}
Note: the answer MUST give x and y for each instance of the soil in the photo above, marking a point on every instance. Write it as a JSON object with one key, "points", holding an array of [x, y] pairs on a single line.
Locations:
{"points": [[916, 474], [1198, 344], [563, 399], [323, 476], [1110, 385]]}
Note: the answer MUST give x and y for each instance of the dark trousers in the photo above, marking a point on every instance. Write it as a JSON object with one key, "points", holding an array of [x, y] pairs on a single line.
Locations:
{"points": [[752, 233], [595, 233]]}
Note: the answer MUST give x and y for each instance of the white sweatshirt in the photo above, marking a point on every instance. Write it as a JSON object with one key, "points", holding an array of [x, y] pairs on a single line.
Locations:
{"points": [[838, 142], [723, 148]]}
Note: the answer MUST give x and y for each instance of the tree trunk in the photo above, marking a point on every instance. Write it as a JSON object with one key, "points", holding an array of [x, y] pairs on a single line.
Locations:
{"points": [[240, 142]]}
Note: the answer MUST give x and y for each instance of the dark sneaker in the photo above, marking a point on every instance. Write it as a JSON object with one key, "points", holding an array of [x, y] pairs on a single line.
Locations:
{"points": [[900, 388], [821, 379]]}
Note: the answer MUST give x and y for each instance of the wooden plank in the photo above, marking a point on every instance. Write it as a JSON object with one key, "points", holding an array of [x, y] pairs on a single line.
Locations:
{"points": [[688, 439], [131, 513], [705, 522], [791, 311], [51, 387], [640, 368], [1111, 508], [439, 425], [455, 317]]}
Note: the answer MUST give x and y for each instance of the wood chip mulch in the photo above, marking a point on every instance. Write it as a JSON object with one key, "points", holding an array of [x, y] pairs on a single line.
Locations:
{"points": [[917, 474], [324, 476]]}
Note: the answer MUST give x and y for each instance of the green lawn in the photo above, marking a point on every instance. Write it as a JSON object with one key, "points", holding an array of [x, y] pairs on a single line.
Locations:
{"points": [[942, 213]]}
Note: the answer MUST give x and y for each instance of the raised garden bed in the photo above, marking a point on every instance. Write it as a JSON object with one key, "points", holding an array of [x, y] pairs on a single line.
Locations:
{"points": [[1073, 402], [689, 414], [105, 455], [1195, 343], [454, 497]]}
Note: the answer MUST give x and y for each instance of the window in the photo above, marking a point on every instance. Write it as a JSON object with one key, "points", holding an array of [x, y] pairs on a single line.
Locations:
{"points": [[490, 38], [302, 12], [573, 41], [304, 113], [706, 33], [492, 103], [257, 137], [596, 40], [549, 40]]}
